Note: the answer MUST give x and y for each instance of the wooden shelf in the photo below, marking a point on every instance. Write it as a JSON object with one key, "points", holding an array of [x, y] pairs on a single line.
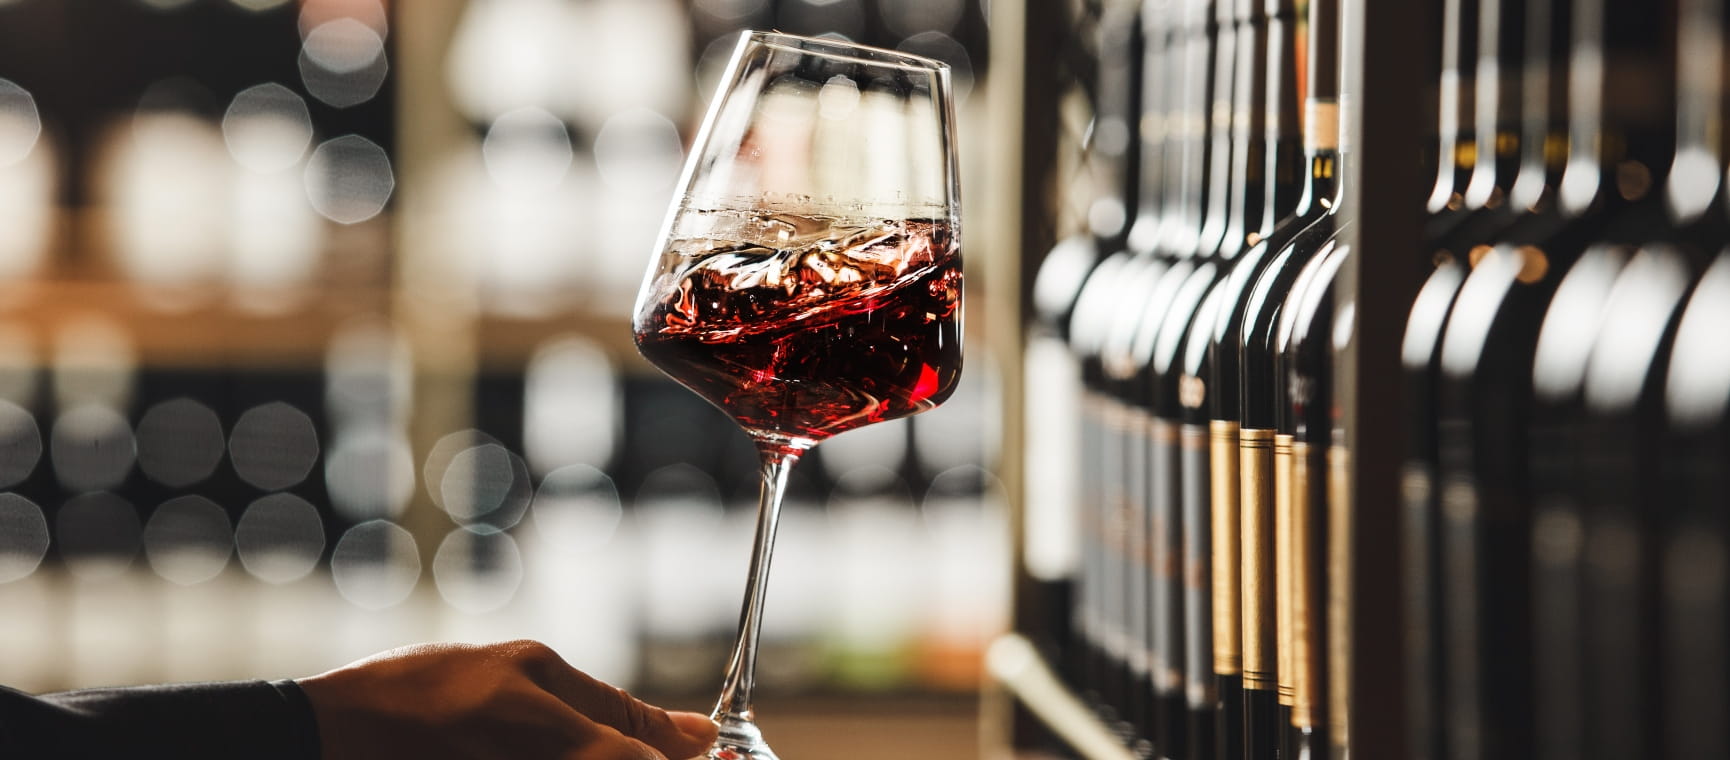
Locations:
{"points": [[1014, 663]]}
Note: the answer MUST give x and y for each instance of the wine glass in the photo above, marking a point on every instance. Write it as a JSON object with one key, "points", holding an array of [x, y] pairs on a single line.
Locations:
{"points": [[807, 280]]}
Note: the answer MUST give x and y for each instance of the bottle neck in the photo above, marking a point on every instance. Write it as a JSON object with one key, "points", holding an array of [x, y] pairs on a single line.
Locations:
{"points": [[1620, 103], [1497, 132], [1322, 154], [1456, 151], [1284, 180], [1114, 140], [1697, 174], [1249, 149], [1182, 235], [1157, 127], [1544, 92], [1220, 182]]}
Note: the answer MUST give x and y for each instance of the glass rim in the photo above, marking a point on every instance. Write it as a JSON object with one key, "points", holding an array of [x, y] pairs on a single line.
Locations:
{"points": [[830, 47]]}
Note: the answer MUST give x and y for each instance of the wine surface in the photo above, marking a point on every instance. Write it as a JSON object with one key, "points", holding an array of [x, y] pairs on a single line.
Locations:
{"points": [[801, 327]]}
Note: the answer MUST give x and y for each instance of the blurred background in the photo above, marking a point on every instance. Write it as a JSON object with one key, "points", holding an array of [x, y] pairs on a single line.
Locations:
{"points": [[314, 341]]}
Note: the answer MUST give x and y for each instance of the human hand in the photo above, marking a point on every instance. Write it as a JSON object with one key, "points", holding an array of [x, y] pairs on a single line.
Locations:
{"points": [[516, 700]]}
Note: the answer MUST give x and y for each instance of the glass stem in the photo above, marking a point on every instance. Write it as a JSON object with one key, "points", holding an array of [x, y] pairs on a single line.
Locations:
{"points": [[733, 711]]}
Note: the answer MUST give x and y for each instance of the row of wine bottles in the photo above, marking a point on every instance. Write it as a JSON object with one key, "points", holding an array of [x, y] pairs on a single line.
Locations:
{"points": [[1564, 491], [1202, 330], [1564, 575]]}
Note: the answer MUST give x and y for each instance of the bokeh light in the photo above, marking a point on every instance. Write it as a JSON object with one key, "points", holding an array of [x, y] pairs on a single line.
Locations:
{"points": [[162, 178], [527, 150], [279, 538], [477, 571], [343, 62], [910, 17], [267, 127], [23, 537], [349, 179], [188, 540], [99, 534], [316, 13], [508, 54], [639, 149], [20, 123], [20, 444], [576, 509], [375, 565], [367, 370], [814, 17], [867, 458], [92, 448], [934, 44], [273, 446], [572, 409], [487, 483], [180, 442], [258, 6], [369, 473]]}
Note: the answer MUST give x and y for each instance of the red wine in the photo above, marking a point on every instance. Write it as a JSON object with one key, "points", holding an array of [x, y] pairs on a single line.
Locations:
{"points": [[801, 327]]}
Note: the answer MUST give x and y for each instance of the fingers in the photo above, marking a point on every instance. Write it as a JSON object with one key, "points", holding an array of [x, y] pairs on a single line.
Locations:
{"points": [[690, 735]]}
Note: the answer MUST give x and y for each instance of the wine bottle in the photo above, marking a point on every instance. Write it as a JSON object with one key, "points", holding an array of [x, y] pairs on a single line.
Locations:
{"points": [[1598, 538], [1510, 140], [1619, 145], [1258, 405], [1305, 421], [1180, 486], [1284, 188], [1695, 534], [1084, 318]]}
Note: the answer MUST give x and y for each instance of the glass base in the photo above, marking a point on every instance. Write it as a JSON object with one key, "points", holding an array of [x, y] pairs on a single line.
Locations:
{"points": [[739, 740]]}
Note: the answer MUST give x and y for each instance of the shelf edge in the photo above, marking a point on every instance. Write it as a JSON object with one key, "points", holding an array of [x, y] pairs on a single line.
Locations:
{"points": [[1013, 662]]}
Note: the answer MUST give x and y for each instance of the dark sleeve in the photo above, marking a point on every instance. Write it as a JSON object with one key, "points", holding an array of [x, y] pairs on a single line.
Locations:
{"points": [[211, 721]]}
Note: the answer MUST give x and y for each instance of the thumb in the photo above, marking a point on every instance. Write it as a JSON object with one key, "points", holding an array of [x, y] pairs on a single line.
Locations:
{"points": [[688, 735], [697, 726]]}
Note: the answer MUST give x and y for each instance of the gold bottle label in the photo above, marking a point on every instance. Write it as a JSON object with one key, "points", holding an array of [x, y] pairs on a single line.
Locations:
{"points": [[1341, 519], [1256, 492], [1306, 649], [1227, 549], [1285, 569]]}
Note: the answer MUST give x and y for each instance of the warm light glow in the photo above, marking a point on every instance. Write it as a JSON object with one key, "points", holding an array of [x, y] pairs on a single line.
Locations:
{"points": [[162, 179]]}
